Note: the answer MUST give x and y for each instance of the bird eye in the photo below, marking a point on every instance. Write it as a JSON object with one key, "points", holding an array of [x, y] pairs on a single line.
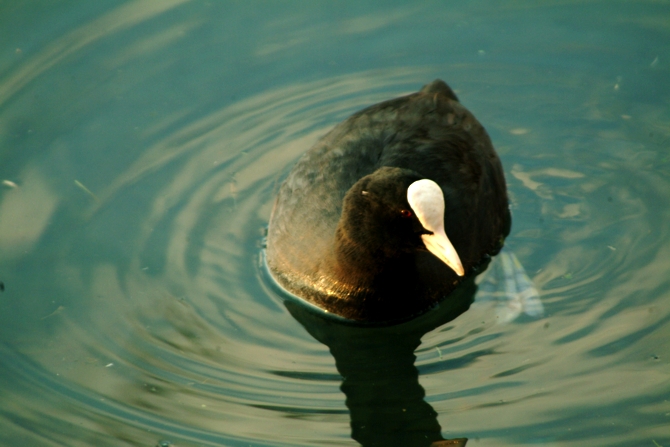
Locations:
{"points": [[405, 213]]}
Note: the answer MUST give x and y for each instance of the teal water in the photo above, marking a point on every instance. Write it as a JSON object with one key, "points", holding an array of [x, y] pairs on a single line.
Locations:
{"points": [[142, 143]]}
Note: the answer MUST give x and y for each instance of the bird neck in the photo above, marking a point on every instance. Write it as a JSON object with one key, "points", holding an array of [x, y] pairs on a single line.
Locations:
{"points": [[361, 265]]}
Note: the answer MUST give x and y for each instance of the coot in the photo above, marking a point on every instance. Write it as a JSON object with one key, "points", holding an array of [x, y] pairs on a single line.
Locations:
{"points": [[391, 210]]}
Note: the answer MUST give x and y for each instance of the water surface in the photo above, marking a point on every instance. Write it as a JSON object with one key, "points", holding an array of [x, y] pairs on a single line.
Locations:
{"points": [[142, 143]]}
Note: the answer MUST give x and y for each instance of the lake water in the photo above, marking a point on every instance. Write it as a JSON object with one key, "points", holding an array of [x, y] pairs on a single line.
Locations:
{"points": [[142, 143]]}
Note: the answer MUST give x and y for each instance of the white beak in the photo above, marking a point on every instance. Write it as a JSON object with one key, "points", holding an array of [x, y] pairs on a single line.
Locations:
{"points": [[427, 201], [439, 245]]}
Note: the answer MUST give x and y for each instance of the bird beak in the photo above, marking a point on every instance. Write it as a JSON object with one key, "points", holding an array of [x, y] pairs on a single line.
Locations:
{"points": [[426, 199], [438, 244]]}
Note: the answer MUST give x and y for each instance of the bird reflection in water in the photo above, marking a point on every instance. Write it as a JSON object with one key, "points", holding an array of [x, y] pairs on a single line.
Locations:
{"points": [[379, 378], [376, 362]]}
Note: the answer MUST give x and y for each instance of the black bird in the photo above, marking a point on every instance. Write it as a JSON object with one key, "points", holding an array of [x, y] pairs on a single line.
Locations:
{"points": [[389, 211]]}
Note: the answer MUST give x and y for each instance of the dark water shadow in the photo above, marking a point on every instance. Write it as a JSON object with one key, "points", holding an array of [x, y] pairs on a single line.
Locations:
{"points": [[379, 378]]}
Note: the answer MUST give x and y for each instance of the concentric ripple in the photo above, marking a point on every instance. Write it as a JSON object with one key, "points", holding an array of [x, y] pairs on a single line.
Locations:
{"points": [[148, 321]]}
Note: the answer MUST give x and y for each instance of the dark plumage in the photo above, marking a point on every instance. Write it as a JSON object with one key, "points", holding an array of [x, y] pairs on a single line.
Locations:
{"points": [[343, 235]]}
